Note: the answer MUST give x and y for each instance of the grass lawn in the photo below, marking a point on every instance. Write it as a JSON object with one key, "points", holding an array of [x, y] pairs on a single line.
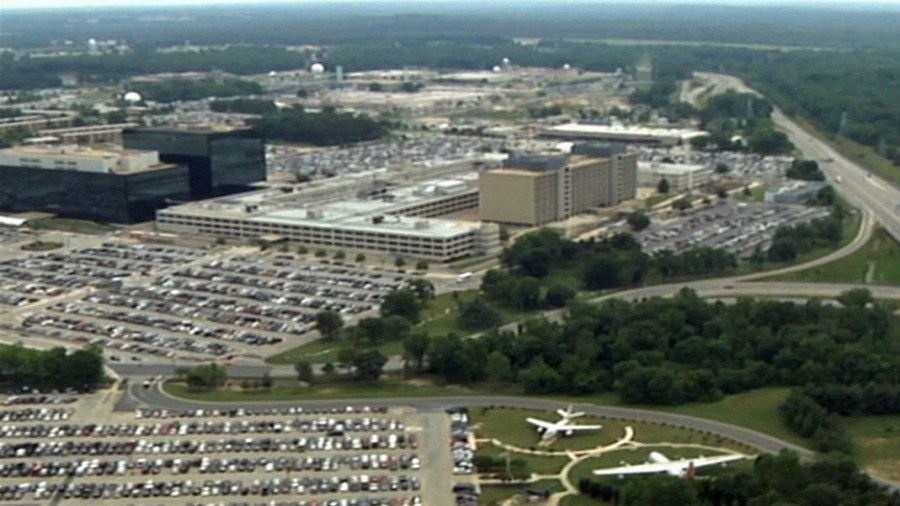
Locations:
{"points": [[536, 463], [580, 500], [337, 389], [322, 351], [881, 253], [865, 156], [656, 199], [496, 494], [509, 426], [68, 225], [877, 443], [756, 409], [851, 229]]}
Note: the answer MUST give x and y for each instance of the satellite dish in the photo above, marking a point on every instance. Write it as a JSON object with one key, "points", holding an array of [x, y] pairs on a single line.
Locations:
{"points": [[132, 97], [317, 68]]}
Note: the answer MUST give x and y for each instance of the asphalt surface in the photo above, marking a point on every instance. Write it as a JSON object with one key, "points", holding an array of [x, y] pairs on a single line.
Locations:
{"points": [[762, 442]]}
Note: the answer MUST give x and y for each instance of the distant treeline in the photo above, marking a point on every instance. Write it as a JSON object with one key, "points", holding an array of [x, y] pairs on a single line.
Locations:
{"points": [[50, 370], [178, 89], [326, 128]]}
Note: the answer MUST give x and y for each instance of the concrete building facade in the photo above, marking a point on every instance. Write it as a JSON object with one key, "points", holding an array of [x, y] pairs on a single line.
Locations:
{"points": [[680, 177], [536, 190], [99, 185]]}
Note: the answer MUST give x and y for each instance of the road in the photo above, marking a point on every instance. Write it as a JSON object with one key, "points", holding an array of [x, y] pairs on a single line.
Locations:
{"points": [[857, 184], [762, 442]]}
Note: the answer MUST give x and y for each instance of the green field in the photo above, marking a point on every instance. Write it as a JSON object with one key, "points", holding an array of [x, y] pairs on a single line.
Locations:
{"points": [[495, 494], [509, 426], [537, 464], [337, 389], [322, 351], [881, 255], [877, 443], [68, 225]]}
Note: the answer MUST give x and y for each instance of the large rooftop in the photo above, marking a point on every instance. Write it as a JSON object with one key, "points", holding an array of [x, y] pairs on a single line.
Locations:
{"points": [[624, 131], [82, 159]]}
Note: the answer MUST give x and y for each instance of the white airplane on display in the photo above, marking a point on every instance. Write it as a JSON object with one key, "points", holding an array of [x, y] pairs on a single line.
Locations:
{"points": [[660, 464], [550, 430]]}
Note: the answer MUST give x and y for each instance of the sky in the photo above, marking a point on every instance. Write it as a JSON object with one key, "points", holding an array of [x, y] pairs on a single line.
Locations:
{"points": [[19, 4]]}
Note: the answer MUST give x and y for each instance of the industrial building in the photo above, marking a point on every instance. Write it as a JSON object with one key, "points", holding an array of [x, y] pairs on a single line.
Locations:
{"points": [[539, 189], [618, 133], [680, 176], [398, 221], [70, 181], [794, 192], [222, 160]]}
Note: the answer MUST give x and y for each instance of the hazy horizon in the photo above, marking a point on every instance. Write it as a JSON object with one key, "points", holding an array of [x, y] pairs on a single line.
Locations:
{"points": [[83, 4]]}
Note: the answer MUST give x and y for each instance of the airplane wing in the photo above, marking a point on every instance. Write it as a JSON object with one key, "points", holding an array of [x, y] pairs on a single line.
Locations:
{"points": [[676, 468], [578, 427], [665, 467], [712, 461], [541, 423]]}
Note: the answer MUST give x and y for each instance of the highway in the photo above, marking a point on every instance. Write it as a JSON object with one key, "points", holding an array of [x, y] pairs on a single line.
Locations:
{"points": [[857, 184]]}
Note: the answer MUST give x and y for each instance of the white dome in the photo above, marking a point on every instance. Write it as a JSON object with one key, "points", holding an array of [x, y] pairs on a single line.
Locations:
{"points": [[132, 96], [566, 66], [506, 61], [273, 73], [496, 68], [317, 68]]}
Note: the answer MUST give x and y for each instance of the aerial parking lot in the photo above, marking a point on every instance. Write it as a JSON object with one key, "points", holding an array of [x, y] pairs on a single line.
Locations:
{"points": [[737, 227], [354, 455], [150, 301]]}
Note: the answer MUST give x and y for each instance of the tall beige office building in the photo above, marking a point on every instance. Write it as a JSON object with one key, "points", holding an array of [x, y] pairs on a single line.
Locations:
{"points": [[540, 189]]}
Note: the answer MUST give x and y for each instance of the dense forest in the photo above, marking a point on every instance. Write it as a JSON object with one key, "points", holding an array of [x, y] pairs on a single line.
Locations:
{"points": [[324, 128], [177, 89], [773, 480], [50, 370]]}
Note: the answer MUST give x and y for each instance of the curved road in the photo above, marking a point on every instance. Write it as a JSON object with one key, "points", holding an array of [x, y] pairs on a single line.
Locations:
{"points": [[762, 442]]}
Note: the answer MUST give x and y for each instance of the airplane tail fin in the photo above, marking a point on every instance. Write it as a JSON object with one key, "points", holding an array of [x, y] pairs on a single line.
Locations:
{"points": [[568, 413]]}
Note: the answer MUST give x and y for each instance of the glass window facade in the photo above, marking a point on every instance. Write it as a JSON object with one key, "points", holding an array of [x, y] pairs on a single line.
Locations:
{"points": [[220, 163], [105, 197]]}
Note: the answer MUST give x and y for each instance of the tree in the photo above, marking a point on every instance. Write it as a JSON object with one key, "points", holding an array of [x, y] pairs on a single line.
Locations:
{"points": [[422, 265], [477, 314], [328, 368], [559, 295], [526, 294], [663, 186], [329, 324], [266, 380], [722, 193], [346, 356], [396, 328], [403, 303], [304, 371], [424, 289], [722, 168], [415, 345], [602, 273], [399, 262], [321, 253], [302, 250], [857, 297], [682, 204], [340, 255], [497, 367], [372, 329], [659, 491], [369, 365], [360, 258], [638, 221], [206, 377]]}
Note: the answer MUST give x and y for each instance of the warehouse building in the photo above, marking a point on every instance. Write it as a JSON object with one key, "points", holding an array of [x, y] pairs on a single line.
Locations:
{"points": [[794, 192], [74, 182], [399, 221], [222, 160], [535, 190], [680, 176], [618, 133]]}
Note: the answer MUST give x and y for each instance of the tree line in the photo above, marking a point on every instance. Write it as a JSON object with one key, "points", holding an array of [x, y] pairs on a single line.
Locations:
{"points": [[54, 369], [326, 128], [174, 90]]}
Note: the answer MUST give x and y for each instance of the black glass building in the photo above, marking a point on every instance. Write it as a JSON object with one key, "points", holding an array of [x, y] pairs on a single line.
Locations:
{"points": [[221, 161], [98, 196]]}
